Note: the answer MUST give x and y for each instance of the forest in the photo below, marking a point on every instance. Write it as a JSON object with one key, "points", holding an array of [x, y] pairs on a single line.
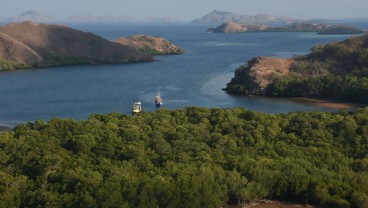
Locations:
{"points": [[192, 157], [337, 70]]}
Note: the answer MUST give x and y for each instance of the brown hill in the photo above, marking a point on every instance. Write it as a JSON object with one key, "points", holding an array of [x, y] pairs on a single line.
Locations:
{"points": [[16, 51], [44, 45], [150, 44]]}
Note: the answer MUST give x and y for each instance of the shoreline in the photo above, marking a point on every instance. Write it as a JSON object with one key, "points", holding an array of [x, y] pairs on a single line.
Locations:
{"points": [[322, 102], [328, 103]]}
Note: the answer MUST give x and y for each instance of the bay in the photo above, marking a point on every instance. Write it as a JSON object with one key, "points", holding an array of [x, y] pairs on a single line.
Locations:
{"points": [[192, 79]]}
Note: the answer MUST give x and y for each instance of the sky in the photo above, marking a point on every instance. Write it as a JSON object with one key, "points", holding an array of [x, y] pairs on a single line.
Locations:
{"points": [[188, 10]]}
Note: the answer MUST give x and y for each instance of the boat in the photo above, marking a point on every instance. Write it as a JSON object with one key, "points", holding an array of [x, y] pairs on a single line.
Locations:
{"points": [[158, 100], [137, 107]]}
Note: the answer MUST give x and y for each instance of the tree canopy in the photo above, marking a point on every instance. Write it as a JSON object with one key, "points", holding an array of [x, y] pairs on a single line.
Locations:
{"points": [[193, 157]]}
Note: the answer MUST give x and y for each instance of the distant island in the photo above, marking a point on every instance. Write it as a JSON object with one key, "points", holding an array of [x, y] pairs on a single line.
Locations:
{"points": [[231, 27], [30, 45], [154, 45], [335, 70], [219, 17]]}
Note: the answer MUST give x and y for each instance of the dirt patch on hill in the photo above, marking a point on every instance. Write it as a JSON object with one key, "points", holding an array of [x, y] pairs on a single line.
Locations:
{"points": [[150, 44], [264, 69]]}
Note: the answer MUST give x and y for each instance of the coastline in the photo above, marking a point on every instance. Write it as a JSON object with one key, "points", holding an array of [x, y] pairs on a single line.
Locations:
{"points": [[329, 103], [322, 102]]}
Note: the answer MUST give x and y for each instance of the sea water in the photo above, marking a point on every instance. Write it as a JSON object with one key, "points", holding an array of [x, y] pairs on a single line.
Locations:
{"points": [[195, 78]]}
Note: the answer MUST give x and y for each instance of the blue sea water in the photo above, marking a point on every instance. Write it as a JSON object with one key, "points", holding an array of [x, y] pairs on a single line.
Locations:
{"points": [[192, 79]]}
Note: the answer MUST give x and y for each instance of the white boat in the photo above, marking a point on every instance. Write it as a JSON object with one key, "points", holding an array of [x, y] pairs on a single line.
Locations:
{"points": [[137, 107], [158, 100]]}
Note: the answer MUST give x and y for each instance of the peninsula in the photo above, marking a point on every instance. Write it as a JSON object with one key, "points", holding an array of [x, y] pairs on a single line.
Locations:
{"points": [[154, 45], [335, 70], [30, 45]]}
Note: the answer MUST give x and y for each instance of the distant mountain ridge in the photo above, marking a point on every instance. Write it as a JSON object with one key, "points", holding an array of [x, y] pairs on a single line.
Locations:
{"points": [[26, 44], [93, 18], [37, 17], [230, 27], [32, 16], [219, 17]]}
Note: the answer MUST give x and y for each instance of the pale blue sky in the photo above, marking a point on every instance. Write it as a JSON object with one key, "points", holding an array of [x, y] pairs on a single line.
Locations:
{"points": [[189, 9]]}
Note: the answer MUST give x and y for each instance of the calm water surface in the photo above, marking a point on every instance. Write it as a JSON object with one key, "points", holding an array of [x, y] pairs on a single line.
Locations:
{"points": [[192, 79]]}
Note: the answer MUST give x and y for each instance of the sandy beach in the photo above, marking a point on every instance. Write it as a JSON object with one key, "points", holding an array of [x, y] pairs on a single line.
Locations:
{"points": [[328, 103]]}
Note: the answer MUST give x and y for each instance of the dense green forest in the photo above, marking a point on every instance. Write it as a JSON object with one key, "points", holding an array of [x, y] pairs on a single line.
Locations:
{"points": [[193, 157], [336, 70]]}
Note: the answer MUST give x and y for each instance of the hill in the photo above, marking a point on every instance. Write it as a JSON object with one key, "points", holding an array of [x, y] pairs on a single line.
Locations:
{"points": [[194, 157], [150, 44], [335, 70], [219, 17], [231, 27], [43, 45]]}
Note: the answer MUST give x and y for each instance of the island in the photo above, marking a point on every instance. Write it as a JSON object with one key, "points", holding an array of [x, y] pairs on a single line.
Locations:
{"points": [[154, 45], [30, 45], [232, 27], [336, 71], [219, 17]]}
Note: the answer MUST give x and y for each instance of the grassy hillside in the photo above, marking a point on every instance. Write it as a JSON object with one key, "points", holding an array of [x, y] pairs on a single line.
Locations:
{"points": [[44, 45], [195, 157]]}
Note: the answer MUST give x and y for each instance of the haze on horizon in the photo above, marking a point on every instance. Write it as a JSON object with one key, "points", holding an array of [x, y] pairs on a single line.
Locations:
{"points": [[187, 10]]}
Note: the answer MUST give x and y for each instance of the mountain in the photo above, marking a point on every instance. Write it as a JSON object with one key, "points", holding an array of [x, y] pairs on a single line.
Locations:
{"points": [[219, 17], [150, 44], [33, 16], [337, 70], [28, 44], [37, 17]]}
